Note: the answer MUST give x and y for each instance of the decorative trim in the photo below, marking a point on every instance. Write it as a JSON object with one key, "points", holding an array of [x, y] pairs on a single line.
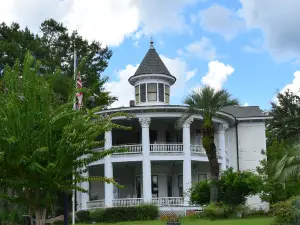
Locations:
{"points": [[145, 122], [222, 127], [187, 123]]}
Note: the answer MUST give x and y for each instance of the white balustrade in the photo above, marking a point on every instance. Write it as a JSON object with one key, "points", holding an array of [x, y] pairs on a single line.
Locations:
{"points": [[123, 202], [197, 149], [95, 204], [166, 147], [168, 201], [132, 149]]}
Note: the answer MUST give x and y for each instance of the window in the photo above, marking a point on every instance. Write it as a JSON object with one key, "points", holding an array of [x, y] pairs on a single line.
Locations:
{"points": [[161, 92], [167, 94], [202, 176], [180, 185], [154, 186], [169, 185], [137, 94], [143, 92], [152, 92]]}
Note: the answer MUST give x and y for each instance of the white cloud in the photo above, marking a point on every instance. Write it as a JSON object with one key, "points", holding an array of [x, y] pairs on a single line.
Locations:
{"points": [[221, 20], [202, 49], [246, 104], [125, 92], [109, 21], [191, 74], [217, 74], [294, 86], [279, 21]]}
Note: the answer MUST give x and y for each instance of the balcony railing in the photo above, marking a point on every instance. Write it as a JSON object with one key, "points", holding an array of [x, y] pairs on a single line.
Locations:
{"points": [[95, 204], [168, 201], [123, 202], [197, 149], [166, 147]]}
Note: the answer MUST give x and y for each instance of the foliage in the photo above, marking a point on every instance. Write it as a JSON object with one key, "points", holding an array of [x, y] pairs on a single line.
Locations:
{"points": [[116, 214], [170, 217], [235, 187], [207, 102], [83, 216], [199, 193], [287, 212], [285, 124], [12, 216], [216, 211], [274, 190], [42, 144], [54, 49]]}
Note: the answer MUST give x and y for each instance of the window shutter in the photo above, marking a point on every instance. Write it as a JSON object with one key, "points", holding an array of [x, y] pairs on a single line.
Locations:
{"points": [[143, 92], [161, 92]]}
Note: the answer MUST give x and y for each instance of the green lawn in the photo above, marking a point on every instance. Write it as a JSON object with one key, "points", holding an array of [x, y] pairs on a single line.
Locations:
{"points": [[249, 221]]}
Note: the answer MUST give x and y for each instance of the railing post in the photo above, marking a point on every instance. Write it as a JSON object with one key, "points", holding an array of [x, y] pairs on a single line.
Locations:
{"points": [[147, 194], [187, 167], [108, 171]]}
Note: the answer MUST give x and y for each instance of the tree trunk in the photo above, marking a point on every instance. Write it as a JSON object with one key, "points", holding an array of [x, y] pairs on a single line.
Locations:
{"points": [[40, 216], [211, 152]]}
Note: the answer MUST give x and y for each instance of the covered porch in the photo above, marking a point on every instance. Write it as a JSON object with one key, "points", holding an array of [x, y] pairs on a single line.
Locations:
{"points": [[166, 183]]}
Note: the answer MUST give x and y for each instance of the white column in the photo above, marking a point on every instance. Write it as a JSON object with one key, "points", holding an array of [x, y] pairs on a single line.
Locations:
{"points": [[187, 164], [221, 144], [147, 193], [108, 171], [85, 197]]}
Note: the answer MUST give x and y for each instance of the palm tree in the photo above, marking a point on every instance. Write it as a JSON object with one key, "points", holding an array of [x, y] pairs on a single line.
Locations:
{"points": [[207, 102], [288, 166]]}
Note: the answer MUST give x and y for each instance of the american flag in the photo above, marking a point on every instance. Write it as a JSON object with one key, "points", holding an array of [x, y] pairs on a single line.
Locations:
{"points": [[79, 95]]}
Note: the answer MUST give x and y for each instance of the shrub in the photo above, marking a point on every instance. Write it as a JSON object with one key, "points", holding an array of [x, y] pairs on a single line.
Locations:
{"points": [[235, 187], [216, 211], [96, 215], [83, 216], [287, 212], [117, 214], [199, 193]]}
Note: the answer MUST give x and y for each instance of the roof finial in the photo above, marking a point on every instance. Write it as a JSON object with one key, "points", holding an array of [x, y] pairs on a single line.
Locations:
{"points": [[151, 43]]}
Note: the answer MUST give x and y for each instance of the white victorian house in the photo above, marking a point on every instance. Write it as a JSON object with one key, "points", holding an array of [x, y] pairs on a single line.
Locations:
{"points": [[162, 162]]}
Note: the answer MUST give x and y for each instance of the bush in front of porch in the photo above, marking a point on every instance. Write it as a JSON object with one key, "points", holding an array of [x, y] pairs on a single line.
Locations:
{"points": [[118, 214]]}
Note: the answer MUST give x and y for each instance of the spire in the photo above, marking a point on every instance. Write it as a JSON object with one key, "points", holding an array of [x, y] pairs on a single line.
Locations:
{"points": [[151, 43]]}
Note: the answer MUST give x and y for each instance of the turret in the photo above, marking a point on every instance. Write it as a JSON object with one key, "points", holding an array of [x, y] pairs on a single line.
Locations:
{"points": [[152, 80]]}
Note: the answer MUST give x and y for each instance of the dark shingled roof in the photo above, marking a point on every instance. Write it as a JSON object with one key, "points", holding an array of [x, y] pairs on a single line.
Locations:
{"points": [[152, 64], [243, 112]]}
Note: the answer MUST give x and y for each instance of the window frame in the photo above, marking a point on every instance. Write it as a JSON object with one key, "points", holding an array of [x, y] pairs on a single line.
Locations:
{"points": [[152, 92]]}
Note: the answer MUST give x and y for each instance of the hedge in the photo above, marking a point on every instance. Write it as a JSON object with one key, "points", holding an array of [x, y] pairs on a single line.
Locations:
{"points": [[119, 214]]}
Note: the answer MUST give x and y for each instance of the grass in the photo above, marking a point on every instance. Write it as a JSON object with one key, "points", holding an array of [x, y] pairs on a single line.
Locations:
{"points": [[193, 221]]}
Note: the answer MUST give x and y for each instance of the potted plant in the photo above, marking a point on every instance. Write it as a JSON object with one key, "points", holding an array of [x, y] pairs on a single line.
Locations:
{"points": [[173, 219]]}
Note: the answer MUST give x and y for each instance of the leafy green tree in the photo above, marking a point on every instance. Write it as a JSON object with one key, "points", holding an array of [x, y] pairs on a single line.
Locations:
{"points": [[207, 102], [41, 142], [54, 48], [285, 124], [274, 190]]}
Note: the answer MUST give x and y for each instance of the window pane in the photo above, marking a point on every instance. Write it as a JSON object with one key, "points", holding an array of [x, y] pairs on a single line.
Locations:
{"points": [[151, 87], [137, 98], [167, 87], [143, 92], [152, 96], [167, 98], [161, 92], [137, 89]]}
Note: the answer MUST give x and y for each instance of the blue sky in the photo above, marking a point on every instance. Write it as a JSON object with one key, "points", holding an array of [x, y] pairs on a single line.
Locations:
{"points": [[251, 48]]}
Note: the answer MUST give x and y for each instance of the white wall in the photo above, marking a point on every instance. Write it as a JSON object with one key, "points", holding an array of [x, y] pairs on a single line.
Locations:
{"points": [[230, 144], [252, 140]]}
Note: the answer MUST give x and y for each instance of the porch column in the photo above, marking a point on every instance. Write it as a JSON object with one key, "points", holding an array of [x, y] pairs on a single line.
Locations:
{"points": [[222, 145], [85, 197], [187, 165], [147, 191], [108, 171]]}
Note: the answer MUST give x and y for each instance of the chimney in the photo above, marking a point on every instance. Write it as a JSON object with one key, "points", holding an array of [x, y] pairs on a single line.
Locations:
{"points": [[131, 103]]}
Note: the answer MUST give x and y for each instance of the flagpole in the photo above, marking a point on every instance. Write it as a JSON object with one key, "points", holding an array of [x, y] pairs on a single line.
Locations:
{"points": [[74, 107]]}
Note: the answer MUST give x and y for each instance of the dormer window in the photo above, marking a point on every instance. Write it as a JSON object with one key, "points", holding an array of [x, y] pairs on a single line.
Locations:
{"points": [[152, 92]]}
